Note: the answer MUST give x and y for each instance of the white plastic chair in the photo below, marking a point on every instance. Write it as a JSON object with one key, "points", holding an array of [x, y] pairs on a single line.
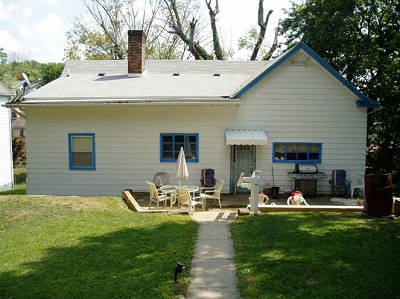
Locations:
{"points": [[155, 196], [213, 192], [161, 178], [356, 182], [185, 199]]}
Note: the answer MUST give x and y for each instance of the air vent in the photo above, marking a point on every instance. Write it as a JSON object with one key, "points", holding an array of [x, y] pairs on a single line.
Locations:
{"points": [[101, 74], [175, 74], [217, 75]]}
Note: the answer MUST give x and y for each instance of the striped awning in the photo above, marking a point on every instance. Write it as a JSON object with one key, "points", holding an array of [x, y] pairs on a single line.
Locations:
{"points": [[249, 137]]}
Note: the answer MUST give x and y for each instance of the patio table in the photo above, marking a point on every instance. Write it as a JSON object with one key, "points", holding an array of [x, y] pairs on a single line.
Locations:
{"points": [[171, 190], [193, 189]]}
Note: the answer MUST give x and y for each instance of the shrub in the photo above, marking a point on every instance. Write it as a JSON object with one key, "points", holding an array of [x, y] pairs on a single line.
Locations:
{"points": [[19, 152]]}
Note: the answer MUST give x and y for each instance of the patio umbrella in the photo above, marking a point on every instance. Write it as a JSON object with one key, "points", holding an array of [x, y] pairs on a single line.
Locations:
{"points": [[181, 167]]}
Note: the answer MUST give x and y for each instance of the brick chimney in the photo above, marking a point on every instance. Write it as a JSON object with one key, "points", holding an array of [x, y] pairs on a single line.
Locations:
{"points": [[136, 53]]}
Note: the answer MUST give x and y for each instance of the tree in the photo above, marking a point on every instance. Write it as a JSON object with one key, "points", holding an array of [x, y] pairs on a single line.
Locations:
{"points": [[39, 74], [191, 33], [11, 71], [175, 29], [50, 71], [219, 53], [19, 151], [254, 40], [188, 31], [360, 39], [105, 36], [3, 56], [3, 65], [83, 42]]}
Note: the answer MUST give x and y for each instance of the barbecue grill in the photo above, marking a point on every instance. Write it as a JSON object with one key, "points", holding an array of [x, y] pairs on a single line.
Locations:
{"points": [[305, 178]]}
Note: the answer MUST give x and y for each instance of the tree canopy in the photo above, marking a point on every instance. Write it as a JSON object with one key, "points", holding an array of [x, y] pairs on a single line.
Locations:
{"points": [[175, 29], [103, 34], [38, 73], [361, 40]]}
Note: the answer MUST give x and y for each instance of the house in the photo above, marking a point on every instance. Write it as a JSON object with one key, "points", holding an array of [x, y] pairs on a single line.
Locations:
{"points": [[17, 122], [104, 126], [6, 161]]}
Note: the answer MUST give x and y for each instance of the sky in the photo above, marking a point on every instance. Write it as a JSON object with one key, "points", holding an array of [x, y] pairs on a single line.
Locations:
{"points": [[36, 29]]}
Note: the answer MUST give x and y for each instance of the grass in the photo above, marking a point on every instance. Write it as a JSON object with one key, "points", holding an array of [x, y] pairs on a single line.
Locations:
{"points": [[20, 182], [73, 247], [317, 255], [19, 189], [93, 247], [19, 175]]}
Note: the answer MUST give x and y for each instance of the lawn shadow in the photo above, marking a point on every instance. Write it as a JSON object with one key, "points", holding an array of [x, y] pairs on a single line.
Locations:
{"points": [[129, 263], [19, 189], [318, 256]]}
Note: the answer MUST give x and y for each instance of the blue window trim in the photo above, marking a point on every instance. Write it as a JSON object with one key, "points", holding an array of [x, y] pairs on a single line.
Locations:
{"points": [[71, 166], [174, 154], [285, 160]]}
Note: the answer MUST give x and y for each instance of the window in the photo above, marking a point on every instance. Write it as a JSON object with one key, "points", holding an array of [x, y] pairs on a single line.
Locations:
{"points": [[171, 143], [296, 152], [81, 151]]}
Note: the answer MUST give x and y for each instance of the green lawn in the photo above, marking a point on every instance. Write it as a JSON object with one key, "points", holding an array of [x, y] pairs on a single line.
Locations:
{"points": [[74, 247], [317, 255], [20, 175], [20, 182], [94, 247]]}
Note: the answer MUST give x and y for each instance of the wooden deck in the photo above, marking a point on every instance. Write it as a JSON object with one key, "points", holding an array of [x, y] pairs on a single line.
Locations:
{"points": [[134, 206]]}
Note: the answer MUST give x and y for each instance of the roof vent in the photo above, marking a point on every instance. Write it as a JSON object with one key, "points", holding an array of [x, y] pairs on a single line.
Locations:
{"points": [[175, 74], [217, 75], [101, 74]]}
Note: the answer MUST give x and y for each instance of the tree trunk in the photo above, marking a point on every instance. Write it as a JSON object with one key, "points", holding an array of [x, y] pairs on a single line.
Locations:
{"points": [[219, 53], [177, 27], [263, 28]]}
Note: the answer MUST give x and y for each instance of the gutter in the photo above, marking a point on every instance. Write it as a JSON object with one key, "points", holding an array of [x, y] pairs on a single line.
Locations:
{"points": [[128, 102]]}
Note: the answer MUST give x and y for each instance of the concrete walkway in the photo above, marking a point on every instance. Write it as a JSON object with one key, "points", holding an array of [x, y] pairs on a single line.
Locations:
{"points": [[213, 273]]}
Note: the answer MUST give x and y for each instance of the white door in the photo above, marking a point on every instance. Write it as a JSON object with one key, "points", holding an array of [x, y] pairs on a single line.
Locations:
{"points": [[243, 160]]}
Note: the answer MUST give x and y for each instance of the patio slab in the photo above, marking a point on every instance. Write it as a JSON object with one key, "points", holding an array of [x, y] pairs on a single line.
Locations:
{"points": [[311, 208], [138, 201]]}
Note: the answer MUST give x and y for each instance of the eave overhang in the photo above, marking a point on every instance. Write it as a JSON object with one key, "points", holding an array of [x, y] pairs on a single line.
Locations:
{"points": [[219, 101]]}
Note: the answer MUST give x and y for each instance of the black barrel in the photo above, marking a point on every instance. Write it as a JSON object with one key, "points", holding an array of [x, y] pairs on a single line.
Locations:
{"points": [[379, 194], [275, 193], [396, 207]]}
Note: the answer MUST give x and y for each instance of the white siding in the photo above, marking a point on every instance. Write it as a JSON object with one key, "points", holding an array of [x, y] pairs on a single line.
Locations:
{"points": [[293, 104], [6, 166], [306, 104], [127, 147]]}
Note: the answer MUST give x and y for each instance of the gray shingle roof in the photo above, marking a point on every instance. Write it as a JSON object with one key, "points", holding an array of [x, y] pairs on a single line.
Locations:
{"points": [[163, 80], [168, 81], [4, 91]]}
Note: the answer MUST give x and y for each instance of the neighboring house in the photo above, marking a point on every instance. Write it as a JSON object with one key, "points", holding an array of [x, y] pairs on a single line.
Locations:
{"points": [[17, 122], [6, 161], [104, 126]]}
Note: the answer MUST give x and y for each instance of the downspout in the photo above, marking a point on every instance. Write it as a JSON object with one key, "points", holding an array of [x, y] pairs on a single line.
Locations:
{"points": [[11, 147]]}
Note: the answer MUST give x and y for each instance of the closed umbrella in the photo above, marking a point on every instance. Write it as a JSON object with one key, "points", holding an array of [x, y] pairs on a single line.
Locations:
{"points": [[181, 170]]}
